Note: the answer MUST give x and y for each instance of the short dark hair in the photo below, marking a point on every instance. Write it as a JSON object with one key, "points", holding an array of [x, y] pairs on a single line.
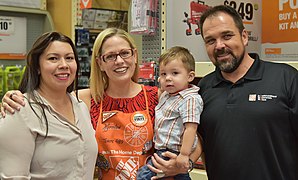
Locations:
{"points": [[213, 11]]}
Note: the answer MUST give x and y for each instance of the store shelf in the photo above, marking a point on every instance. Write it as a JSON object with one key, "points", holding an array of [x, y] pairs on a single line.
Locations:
{"points": [[38, 21], [19, 11]]}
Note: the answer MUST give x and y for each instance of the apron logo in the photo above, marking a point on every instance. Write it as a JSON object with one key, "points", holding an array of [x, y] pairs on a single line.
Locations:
{"points": [[127, 170], [107, 115], [135, 136]]}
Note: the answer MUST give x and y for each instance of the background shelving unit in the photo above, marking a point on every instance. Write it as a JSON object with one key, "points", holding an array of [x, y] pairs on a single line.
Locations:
{"points": [[38, 21]]}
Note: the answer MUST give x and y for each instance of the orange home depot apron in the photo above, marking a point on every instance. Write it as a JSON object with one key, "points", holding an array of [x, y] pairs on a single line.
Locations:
{"points": [[124, 141]]}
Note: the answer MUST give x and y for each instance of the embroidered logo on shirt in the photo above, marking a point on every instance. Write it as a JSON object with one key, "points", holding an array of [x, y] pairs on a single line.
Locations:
{"points": [[252, 97], [261, 97]]}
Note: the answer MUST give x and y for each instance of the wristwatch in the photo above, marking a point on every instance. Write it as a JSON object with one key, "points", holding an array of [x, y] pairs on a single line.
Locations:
{"points": [[190, 165]]}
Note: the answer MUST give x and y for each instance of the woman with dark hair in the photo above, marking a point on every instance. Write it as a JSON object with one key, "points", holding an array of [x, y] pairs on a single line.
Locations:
{"points": [[52, 134]]}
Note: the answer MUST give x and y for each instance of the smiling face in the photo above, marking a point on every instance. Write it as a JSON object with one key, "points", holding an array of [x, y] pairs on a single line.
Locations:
{"points": [[57, 66], [121, 69], [174, 77], [224, 43]]}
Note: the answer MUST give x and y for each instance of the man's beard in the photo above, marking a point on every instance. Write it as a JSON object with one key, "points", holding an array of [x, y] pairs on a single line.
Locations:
{"points": [[228, 66]]}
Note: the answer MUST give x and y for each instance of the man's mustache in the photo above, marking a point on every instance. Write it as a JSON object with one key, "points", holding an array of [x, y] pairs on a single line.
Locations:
{"points": [[221, 51]]}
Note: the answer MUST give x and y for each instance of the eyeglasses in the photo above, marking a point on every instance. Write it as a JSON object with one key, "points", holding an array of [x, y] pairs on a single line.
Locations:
{"points": [[124, 54]]}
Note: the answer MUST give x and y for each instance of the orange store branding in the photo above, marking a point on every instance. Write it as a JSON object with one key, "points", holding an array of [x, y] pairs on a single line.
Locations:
{"points": [[126, 168], [280, 22]]}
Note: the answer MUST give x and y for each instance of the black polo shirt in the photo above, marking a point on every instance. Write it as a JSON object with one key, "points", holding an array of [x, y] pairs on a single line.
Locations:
{"points": [[250, 128]]}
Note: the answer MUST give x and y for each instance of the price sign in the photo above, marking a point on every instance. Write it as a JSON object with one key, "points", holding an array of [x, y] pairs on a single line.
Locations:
{"points": [[13, 37], [245, 9], [6, 25]]}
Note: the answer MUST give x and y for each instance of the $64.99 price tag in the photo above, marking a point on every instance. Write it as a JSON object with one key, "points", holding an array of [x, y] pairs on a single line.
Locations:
{"points": [[6, 25]]}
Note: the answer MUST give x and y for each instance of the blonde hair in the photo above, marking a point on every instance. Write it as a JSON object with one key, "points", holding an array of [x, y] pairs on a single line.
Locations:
{"points": [[99, 81], [181, 53]]}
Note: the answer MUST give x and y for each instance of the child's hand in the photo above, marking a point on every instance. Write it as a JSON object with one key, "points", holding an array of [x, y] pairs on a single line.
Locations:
{"points": [[182, 161]]}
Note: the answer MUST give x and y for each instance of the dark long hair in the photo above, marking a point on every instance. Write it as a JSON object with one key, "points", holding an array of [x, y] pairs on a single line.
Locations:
{"points": [[31, 77]]}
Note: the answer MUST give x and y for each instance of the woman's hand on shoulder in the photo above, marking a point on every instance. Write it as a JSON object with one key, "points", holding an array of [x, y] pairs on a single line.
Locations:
{"points": [[11, 101]]}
